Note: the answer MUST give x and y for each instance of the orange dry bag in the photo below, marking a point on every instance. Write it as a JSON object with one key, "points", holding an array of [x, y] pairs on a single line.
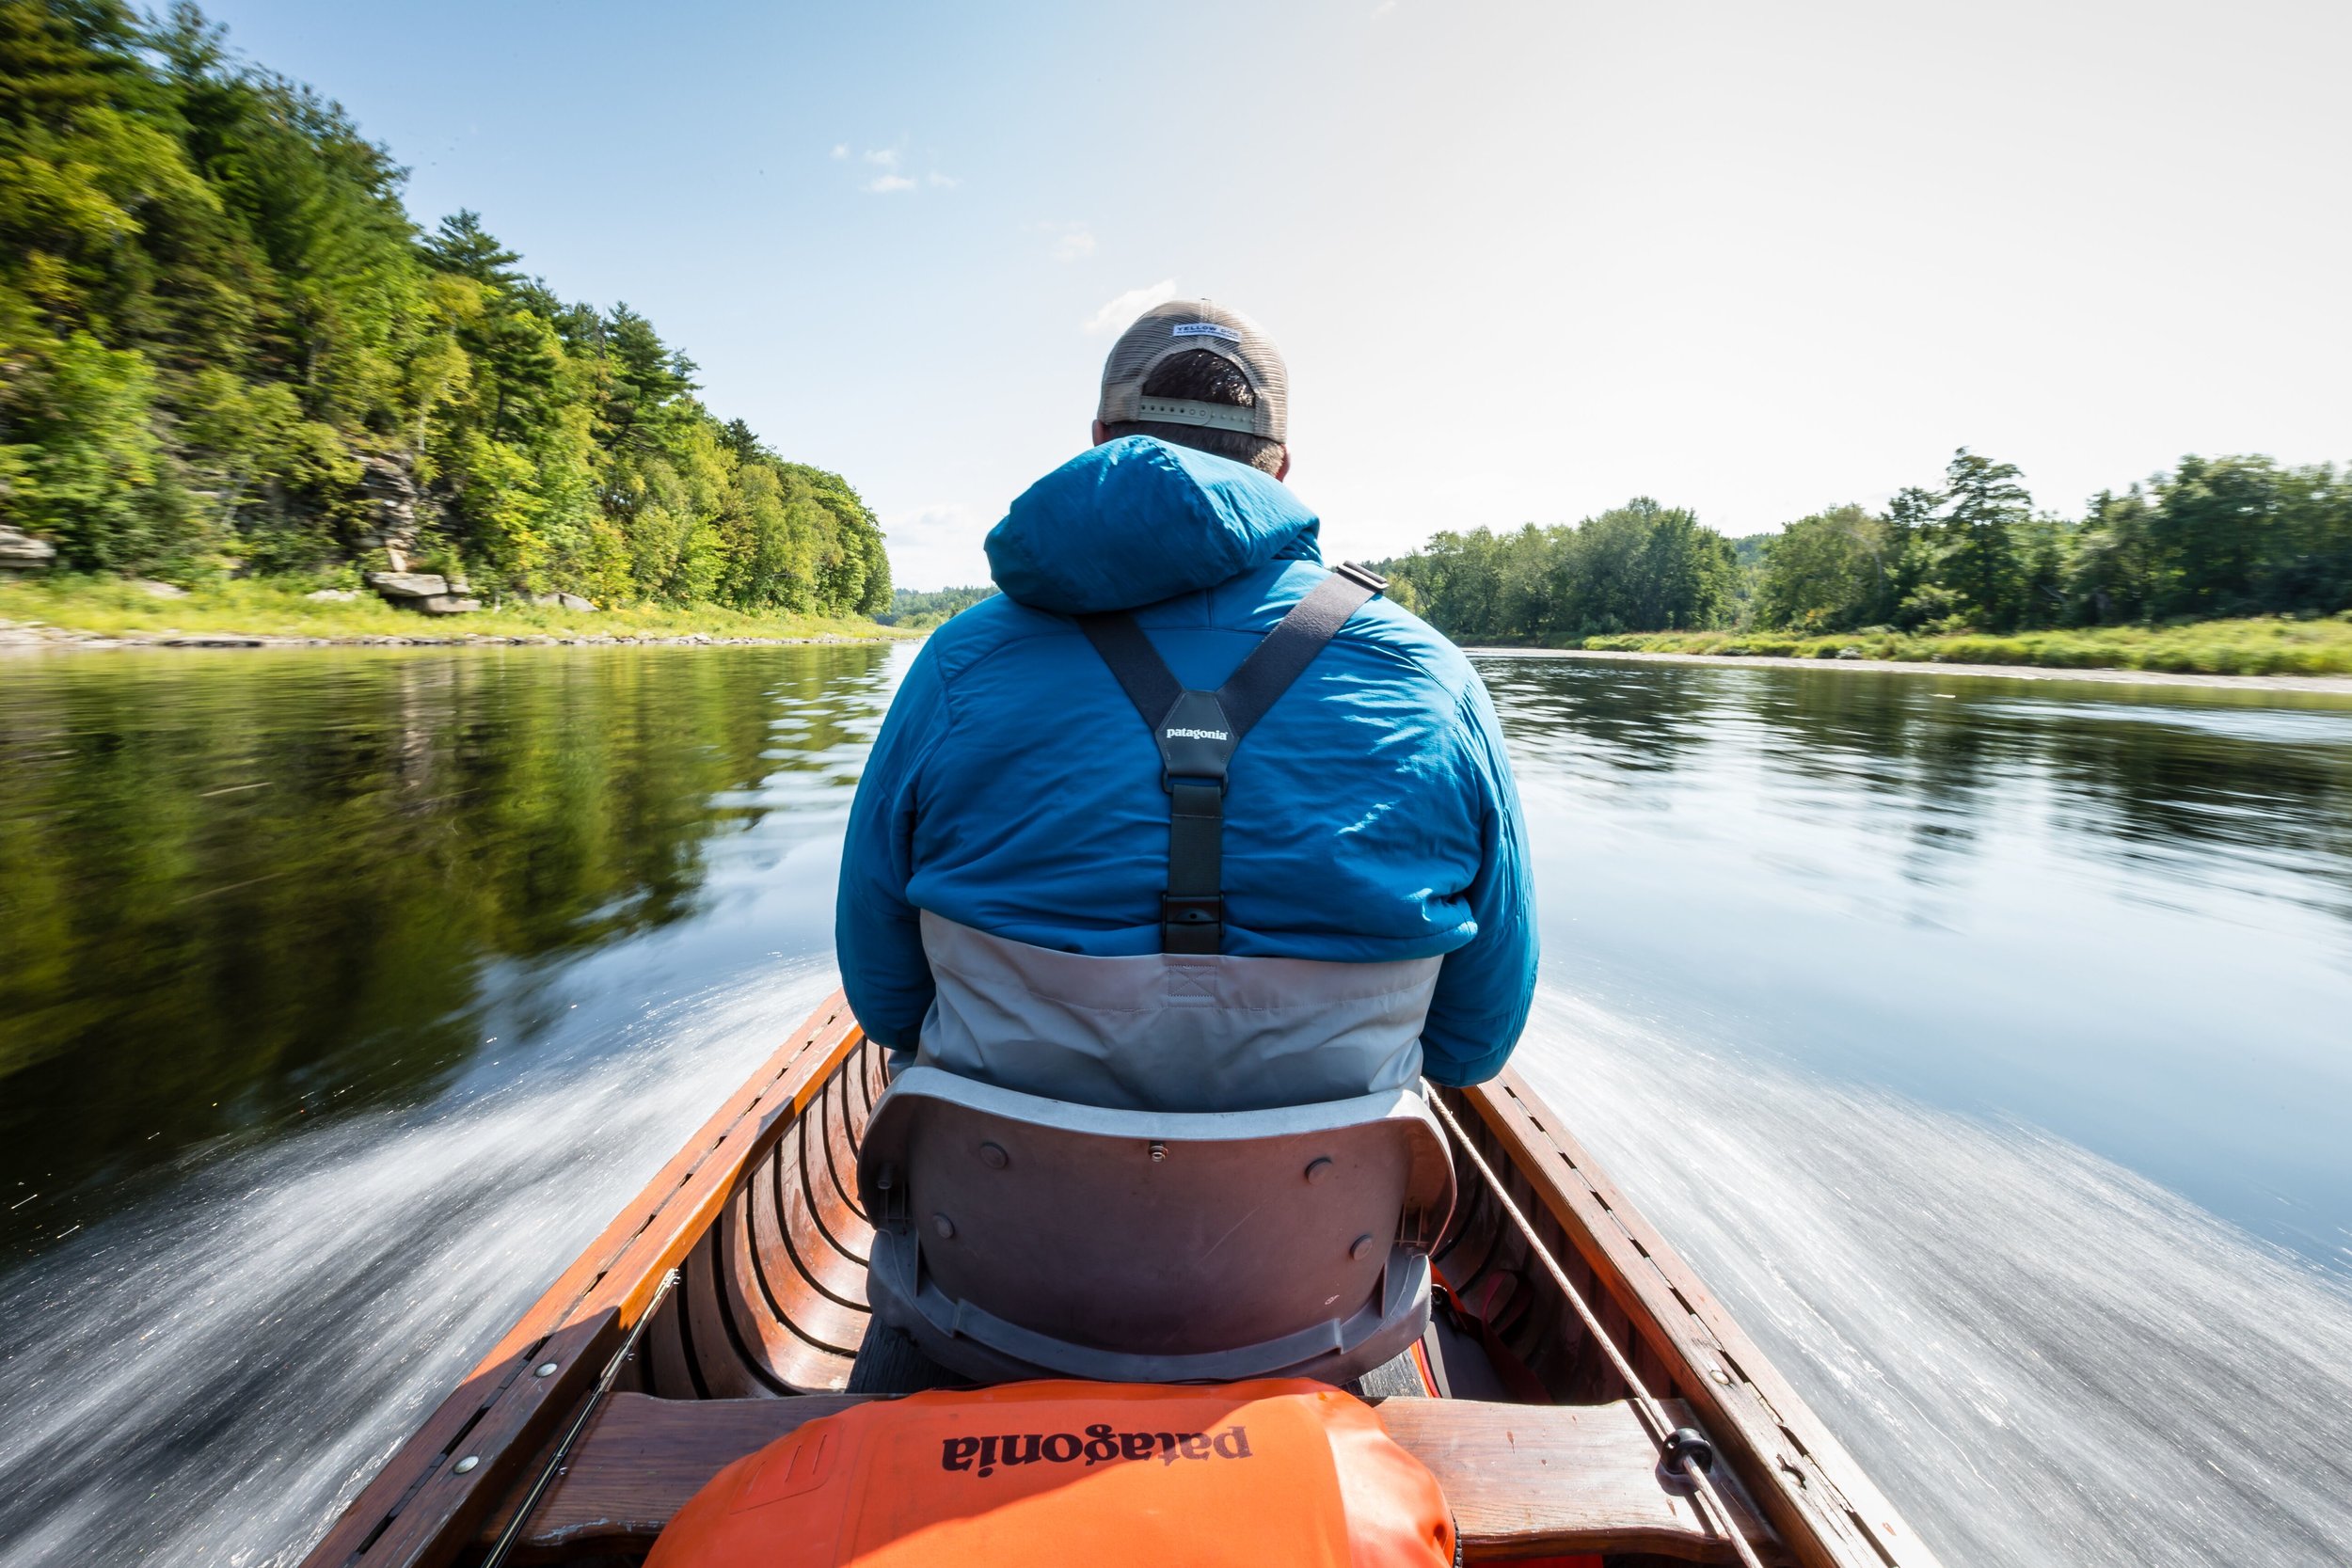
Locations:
{"points": [[1286, 1471]]}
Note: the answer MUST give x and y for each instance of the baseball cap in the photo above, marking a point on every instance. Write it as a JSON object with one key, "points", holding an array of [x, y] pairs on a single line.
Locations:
{"points": [[1180, 327]]}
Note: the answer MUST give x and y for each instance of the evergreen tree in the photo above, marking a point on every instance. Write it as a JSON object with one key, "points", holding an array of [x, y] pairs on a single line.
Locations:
{"points": [[463, 247], [1976, 531]]}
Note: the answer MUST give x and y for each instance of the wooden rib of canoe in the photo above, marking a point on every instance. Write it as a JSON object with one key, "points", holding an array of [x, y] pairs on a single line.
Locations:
{"points": [[760, 1215]]}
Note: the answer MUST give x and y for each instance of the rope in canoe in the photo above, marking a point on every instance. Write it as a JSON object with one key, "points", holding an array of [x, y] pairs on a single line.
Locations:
{"points": [[1682, 1450]]}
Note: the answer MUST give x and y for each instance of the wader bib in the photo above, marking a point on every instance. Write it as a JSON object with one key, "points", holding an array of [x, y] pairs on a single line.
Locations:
{"points": [[1198, 733], [1191, 1027]]}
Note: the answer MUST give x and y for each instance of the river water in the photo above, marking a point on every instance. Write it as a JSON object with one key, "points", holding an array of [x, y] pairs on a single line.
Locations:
{"points": [[1983, 1043]]}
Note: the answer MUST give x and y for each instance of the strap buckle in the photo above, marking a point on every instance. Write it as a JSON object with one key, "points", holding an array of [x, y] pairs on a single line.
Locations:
{"points": [[1363, 576], [1192, 908], [1192, 922]]}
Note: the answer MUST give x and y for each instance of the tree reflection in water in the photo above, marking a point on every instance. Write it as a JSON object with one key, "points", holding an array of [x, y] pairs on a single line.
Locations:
{"points": [[242, 890], [2123, 912]]}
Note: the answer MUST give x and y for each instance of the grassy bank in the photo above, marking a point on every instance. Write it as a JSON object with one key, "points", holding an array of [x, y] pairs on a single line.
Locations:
{"points": [[2269, 646], [100, 607]]}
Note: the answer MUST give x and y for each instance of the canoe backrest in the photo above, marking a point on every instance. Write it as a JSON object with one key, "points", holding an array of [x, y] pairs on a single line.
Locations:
{"points": [[1019, 1237]]}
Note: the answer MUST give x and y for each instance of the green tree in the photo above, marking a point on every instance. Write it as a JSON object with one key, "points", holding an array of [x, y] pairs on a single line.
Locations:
{"points": [[2212, 528], [2113, 572], [1978, 558], [91, 474], [1642, 567], [463, 247], [1832, 571], [2307, 564]]}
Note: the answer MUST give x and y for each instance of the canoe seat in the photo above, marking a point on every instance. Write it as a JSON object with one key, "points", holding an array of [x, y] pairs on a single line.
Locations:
{"points": [[1523, 1480], [1018, 1237]]}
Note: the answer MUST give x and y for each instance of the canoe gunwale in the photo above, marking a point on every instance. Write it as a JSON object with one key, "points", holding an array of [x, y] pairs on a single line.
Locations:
{"points": [[417, 1511], [1821, 1502]]}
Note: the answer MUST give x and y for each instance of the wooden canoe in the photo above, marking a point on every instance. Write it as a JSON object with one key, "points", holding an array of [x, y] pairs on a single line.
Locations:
{"points": [[1538, 1444]]}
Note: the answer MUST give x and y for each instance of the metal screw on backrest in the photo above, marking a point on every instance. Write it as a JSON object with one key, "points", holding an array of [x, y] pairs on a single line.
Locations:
{"points": [[993, 1157], [1159, 1152], [1363, 1246], [547, 1368], [466, 1464], [944, 1228], [1318, 1169]]}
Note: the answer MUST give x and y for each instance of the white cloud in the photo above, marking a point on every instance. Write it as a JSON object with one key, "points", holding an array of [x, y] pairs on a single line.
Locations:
{"points": [[1070, 239], [890, 162], [1116, 314], [938, 519]]}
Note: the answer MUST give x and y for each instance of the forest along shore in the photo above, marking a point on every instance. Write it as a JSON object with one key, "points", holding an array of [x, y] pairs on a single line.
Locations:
{"points": [[2226, 565], [230, 357], [1923, 667]]}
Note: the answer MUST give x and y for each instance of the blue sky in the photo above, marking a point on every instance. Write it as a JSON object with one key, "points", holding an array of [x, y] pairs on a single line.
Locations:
{"points": [[1525, 259]]}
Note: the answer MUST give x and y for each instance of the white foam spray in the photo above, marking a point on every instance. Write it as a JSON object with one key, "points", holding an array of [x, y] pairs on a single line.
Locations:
{"points": [[209, 1378], [2040, 1356]]}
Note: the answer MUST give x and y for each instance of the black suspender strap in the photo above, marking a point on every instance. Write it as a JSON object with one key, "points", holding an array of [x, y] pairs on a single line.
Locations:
{"points": [[1146, 680], [1197, 731]]}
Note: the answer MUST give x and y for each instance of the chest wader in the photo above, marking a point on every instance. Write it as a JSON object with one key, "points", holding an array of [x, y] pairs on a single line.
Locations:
{"points": [[1198, 733], [1182, 1265]]}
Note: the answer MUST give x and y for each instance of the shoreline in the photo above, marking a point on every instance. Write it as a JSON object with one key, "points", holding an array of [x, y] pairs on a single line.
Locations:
{"points": [[19, 638], [95, 612], [2109, 674]]}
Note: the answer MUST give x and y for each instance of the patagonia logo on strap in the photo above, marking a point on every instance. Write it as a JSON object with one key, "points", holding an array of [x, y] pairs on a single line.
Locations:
{"points": [[1195, 734]]}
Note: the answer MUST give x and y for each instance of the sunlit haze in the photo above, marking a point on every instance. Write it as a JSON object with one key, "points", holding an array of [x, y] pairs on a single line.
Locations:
{"points": [[1526, 261]]}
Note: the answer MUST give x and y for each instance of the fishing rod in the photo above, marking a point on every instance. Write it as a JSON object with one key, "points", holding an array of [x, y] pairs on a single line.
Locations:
{"points": [[1683, 1452], [554, 1466]]}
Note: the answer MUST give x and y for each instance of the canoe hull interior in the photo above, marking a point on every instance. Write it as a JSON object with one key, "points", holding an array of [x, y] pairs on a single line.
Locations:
{"points": [[760, 1216]]}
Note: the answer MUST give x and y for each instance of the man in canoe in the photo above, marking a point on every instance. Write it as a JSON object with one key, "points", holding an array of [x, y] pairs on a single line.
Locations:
{"points": [[1102, 854]]}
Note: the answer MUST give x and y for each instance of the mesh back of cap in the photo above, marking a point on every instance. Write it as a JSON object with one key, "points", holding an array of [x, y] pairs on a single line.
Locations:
{"points": [[1180, 327]]}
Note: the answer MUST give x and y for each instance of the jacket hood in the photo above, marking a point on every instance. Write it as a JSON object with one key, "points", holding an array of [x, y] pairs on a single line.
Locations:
{"points": [[1136, 521]]}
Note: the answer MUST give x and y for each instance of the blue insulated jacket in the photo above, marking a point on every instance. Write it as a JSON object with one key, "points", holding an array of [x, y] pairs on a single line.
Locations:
{"points": [[1370, 815]]}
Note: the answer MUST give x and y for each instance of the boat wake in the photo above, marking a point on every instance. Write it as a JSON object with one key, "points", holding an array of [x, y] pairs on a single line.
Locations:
{"points": [[2043, 1358], [2040, 1356], [207, 1379]]}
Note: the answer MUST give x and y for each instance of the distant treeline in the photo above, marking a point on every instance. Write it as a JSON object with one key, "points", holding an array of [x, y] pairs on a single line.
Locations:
{"points": [[920, 611], [223, 345], [1638, 566], [2231, 536]]}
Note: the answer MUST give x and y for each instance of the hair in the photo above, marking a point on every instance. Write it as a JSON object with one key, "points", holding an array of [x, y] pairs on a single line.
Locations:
{"points": [[1204, 375]]}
